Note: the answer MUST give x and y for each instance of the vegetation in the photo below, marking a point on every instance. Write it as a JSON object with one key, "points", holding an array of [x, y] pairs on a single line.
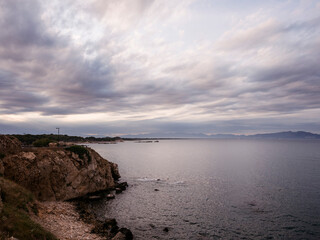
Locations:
{"points": [[28, 139], [18, 203], [80, 151], [43, 142], [2, 155]]}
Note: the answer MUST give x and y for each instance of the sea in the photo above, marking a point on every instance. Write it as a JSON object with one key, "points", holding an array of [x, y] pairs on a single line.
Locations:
{"points": [[216, 189]]}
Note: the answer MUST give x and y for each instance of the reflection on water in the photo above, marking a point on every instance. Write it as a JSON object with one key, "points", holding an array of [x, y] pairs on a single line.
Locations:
{"points": [[212, 189]]}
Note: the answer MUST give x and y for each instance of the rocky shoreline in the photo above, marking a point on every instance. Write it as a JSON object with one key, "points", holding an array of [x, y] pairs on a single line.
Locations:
{"points": [[108, 228], [65, 180], [74, 219]]}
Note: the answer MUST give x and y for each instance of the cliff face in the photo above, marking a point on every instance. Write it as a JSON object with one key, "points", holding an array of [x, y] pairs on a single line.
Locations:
{"points": [[59, 174]]}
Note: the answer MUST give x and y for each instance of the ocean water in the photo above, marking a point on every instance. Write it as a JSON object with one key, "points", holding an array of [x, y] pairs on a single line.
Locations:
{"points": [[216, 189]]}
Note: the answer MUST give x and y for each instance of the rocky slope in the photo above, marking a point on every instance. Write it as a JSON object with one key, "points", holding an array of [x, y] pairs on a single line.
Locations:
{"points": [[56, 173], [9, 145]]}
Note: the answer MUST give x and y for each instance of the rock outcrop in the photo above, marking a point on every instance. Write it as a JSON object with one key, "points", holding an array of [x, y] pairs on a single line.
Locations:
{"points": [[58, 174], [9, 145]]}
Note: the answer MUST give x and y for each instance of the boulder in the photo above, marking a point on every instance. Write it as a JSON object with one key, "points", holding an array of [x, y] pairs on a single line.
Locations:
{"points": [[110, 196], [127, 233], [53, 144], [118, 190], [123, 234], [59, 174], [119, 236], [123, 186]]}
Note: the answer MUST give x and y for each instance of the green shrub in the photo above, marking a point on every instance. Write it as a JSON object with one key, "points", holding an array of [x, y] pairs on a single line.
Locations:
{"points": [[80, 151], [43, 142], [2, 155]]}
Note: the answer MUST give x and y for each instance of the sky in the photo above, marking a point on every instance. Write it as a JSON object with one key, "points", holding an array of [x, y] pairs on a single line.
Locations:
{"points": [[107, 68]]}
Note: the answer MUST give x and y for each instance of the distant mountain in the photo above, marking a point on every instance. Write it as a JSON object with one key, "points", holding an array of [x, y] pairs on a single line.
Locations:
{"points": [[278, 135], [287, 135]]}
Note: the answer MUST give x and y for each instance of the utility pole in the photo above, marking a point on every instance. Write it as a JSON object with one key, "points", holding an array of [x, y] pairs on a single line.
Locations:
{"points": [[58, 134]]}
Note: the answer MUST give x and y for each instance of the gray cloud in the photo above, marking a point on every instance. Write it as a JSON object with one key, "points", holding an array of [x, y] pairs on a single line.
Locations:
{"points": [[22, 24], [53, 66]]}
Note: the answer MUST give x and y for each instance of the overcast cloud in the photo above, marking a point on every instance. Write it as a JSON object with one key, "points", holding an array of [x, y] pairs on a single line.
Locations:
{"points": [[143, 66]]}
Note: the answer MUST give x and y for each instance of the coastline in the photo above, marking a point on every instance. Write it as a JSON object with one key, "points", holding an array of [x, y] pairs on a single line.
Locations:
{"points": [[74, 220], [51, 189]]}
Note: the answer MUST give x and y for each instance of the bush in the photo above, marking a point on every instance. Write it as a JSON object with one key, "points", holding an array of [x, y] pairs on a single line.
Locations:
{"points": [[43, 142], [80, 151]]}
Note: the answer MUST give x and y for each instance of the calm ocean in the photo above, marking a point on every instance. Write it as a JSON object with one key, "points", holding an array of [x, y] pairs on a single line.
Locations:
{"points": [[216, 189]]}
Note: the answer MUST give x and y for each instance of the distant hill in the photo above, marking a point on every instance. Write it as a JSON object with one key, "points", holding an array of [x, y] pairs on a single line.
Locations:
{"points": [[278, 135], [287, 135], [28, 139]]}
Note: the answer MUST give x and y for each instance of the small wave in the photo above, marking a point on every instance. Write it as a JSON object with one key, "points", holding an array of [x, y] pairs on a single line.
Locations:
{"points": [[178, 183], [149, 179]]}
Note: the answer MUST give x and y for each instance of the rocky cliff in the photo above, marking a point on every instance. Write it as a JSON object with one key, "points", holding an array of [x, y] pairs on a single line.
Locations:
{"points": [[56, 174]]}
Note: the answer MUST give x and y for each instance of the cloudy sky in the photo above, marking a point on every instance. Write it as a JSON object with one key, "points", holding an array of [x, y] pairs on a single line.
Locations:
{"points": [[159, 66]]}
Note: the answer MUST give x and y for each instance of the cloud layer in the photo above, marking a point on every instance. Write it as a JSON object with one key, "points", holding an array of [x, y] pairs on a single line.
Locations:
{"points": [[159, 66]]}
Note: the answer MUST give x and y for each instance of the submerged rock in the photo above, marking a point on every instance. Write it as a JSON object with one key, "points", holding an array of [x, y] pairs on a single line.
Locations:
{"points": [[166, 229], [152, 225]]}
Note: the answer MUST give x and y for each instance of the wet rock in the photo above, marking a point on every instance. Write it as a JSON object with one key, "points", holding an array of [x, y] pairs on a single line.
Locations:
{"points": [[118, 190], [110, 196], [94, 197], [123, 186], [127, 233]]}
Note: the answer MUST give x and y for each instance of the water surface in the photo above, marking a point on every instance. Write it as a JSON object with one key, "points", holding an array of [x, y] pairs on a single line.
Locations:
{"points": [[217, 189]]}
